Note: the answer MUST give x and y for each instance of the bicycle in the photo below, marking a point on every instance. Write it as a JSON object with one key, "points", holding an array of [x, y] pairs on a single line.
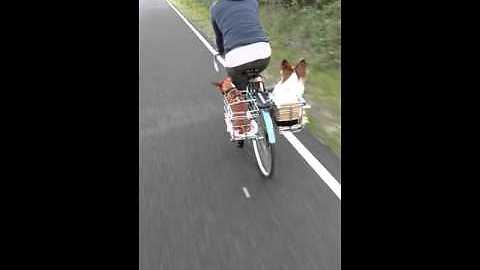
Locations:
{"points": [[259, 111], [268, 119]]}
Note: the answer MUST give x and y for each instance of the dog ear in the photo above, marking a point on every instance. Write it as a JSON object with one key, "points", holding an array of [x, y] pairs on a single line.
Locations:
{"points": [[286, 70], [218, 85], [285, 64], [301, 69]]}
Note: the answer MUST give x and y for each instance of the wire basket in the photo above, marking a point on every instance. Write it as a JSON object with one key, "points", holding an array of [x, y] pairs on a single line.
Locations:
{"points": [[290, 117], [239, 115], [288, 112]]}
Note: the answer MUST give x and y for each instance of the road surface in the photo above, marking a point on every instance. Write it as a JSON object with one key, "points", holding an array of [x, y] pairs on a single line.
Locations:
{"points": [[194, 213]]}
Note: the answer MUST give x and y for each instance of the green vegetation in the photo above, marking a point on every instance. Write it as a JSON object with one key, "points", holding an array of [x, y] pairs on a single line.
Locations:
{"points": [[298, 29]]}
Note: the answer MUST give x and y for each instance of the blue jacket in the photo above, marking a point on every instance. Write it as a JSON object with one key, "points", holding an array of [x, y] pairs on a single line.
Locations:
{"points": [[236, 23]]}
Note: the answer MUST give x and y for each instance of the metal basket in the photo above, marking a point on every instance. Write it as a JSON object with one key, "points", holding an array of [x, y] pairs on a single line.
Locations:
{"points": [[288, 112], [232, 118], [290, 117]]}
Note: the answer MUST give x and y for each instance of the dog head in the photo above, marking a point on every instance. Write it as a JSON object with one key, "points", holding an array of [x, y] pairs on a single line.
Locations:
{"points": [[291, 86], [300, 69], [224, 85], [228, 89]]}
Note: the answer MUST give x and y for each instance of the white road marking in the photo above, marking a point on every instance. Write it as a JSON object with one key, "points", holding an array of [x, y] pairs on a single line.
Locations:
{"points": [[331, 182], [202, 39], [245, 190]]}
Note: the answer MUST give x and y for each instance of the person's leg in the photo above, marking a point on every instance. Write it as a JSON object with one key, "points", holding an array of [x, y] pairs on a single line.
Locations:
{"points": [[261, 64], [239, 78]]}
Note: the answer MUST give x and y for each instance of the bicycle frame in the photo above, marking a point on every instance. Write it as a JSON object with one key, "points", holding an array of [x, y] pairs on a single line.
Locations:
{"points": [[265, 108]]}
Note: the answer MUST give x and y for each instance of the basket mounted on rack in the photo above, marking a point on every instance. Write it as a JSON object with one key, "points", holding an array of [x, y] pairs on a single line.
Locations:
{"points": [[290, 116], [288, 112], [238, 114]]}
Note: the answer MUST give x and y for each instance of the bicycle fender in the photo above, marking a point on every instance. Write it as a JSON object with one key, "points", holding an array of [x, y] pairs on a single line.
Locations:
{"points": [[269, 127]]}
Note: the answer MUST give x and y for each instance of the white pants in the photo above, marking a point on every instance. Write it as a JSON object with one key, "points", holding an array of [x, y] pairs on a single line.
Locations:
{"points": [[247, 53]]}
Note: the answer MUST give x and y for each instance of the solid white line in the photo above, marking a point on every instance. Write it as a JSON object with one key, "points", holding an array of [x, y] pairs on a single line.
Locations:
{"points": [[246, 192], [332, 183]]}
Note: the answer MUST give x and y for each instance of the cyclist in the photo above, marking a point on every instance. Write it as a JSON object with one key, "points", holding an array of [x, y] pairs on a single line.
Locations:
{"points": [[240, 38]]}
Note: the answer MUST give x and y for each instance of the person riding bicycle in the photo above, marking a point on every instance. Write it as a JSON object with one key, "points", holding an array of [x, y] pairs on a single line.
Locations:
{"points": [[240, 38]]}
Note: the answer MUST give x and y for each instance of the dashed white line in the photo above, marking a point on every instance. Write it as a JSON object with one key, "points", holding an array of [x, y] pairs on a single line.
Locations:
{"points": [[331, 182], [245, 190]]}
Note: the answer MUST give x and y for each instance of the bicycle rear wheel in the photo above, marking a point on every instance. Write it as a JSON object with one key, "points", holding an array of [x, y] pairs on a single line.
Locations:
{"points": [[263, 149]]}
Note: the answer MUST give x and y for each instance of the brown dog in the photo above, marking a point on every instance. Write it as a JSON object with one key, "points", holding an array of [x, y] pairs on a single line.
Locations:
{"points": [[233, 95]]}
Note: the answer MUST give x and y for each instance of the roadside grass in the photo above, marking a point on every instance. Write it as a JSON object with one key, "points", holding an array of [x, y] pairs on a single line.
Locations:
{"points": [[297, 33], [198, 14]]}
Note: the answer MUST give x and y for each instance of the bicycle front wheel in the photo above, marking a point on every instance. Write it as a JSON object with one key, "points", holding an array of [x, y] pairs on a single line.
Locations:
{"points": [[264, 150]]}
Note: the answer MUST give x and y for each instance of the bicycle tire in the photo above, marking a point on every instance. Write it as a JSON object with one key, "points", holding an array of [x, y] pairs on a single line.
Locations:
{"points": [[240, 144], [265, 163]]}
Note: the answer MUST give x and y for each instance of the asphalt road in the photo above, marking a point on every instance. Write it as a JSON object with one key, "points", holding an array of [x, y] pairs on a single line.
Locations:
{"points": [[193, 211]]}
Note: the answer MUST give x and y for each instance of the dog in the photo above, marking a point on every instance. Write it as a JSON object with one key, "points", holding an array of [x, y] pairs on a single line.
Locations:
{"points": [[291, 86], [226, 87]]}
